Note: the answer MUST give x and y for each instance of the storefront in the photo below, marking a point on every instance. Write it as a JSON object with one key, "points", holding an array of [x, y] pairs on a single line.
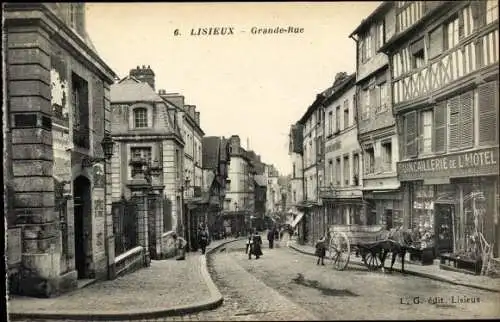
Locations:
{"points": [[384, 207], [453, 199]]}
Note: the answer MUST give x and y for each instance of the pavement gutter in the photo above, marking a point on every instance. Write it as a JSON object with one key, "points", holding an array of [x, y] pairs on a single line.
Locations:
{"points": [[215, 301], [419, 274]]}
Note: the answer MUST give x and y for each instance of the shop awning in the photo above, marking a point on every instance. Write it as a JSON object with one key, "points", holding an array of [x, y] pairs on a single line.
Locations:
{"points": [[297, 219]]}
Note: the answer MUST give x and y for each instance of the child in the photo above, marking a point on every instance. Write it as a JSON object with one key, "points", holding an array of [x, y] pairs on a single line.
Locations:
{"points": [[321, 250]]}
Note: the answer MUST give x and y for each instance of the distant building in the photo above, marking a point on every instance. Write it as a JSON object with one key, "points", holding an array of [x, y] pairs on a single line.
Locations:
{"points": [[216, 160], [56, 174]]}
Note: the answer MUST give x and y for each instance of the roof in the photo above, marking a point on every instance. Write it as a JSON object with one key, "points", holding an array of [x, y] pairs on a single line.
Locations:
{"points": [[340, 89], [210, 152], [382, 8], [129, 89]]}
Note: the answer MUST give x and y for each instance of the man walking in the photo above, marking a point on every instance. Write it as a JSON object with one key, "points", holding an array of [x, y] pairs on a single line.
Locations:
{"points": [[270, 238], [203, 239], [255, 246]]}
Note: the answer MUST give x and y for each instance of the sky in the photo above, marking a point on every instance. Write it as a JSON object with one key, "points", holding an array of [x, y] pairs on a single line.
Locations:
{"points": [[252, 85]]}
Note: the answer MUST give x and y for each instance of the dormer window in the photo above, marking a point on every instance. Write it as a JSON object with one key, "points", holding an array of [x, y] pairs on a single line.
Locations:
{"points": [[140, 117]]}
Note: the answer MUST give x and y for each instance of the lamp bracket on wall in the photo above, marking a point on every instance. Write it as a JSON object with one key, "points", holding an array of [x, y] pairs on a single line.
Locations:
{"points": [[89, 162]]}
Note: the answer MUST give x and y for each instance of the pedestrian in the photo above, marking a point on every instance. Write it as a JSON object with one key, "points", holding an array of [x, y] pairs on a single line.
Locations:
{"points": [[270, 238], [255, 246], [249, 242], [203, 239], [180, 247], [321, 250]]}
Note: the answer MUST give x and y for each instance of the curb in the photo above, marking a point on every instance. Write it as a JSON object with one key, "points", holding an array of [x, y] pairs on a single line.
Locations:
{"points": [[215, 301], [424, 275]]}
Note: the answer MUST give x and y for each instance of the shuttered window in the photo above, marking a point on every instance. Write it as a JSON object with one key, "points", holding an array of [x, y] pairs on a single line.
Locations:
{"points": [[488, 113], [467, 120], [454, 125], [411, 126], [439, 137]]}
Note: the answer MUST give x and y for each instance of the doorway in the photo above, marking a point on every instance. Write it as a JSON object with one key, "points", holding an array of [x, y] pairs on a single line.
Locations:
{"points": [[444, 227], [389, 224], [82, 216]]}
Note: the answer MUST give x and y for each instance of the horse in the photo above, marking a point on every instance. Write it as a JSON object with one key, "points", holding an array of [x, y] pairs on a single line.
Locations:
{"points": [[396, 242]]}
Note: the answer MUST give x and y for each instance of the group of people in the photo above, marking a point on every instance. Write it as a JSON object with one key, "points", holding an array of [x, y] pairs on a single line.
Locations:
{"points": [[254, 242], [181, 244]]}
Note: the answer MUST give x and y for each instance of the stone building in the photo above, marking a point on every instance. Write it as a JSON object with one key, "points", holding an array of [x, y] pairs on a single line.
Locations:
{"points": [[444, 67], [342, 195], [188, 120], [295, 149], [312, 134], [376, 124], [56, 170], [147, 168], [239, 204], [216, 160]]}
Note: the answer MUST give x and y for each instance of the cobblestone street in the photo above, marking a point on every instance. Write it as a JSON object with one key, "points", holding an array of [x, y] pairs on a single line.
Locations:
{"points": [[271, 289]]}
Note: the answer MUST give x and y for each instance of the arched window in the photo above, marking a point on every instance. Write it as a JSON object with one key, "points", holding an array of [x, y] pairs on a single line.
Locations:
{"points": [[140, 117]]}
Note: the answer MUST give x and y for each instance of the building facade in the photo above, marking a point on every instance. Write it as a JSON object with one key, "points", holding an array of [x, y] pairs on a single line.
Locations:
{"points": [[147, 139], [188, 121], [444, 68], [342, 192], [239, 204], [215, 160], [312, 223], [56, 172], [376, 124], [273, 197]]}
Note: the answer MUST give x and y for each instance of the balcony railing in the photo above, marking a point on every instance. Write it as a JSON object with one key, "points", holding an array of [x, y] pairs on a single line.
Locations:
{"points": [[448, 67], [81, 137]]}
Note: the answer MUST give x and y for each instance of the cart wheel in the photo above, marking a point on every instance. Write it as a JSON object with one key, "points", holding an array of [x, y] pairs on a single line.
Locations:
{"points": [[372, 261], [339, 251]]}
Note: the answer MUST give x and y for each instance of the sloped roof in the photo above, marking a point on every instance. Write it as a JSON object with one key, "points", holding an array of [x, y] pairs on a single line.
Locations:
{"points": [[130, 89], [210, 152]]}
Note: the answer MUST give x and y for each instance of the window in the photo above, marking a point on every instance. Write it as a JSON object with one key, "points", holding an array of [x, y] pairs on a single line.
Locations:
{"points": [[488, 110], [140, 117], [330, 172], [366, 47], [72, 15], [337, 119], [347, 174], [436, 39], [461, 121], [369, 160], [294, 196], [425, 132], [346, 114], [382, 97], [410, 130], [293, 170], [366, 106], [380, 35], [178, 163], [491, 11], [451, 33], [387, 156], [140, 153], [330, 123], [337, 171], [80, 95], [355, 169], [418, 54]]}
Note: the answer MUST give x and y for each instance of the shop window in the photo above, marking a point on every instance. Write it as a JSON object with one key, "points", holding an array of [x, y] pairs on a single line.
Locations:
{"points": [[387, 156], [423, 208]]}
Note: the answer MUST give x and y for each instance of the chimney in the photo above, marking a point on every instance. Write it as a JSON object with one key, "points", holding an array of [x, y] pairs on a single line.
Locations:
{"points": [[144, 74], [197, 118], [162, 92]]}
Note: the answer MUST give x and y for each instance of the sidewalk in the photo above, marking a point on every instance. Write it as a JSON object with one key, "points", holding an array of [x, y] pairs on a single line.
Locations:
{"points": [[167, 287], [427, 271]]}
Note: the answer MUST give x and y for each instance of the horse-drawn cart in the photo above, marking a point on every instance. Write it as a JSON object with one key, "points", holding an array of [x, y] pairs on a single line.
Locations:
{"points": [[369, 242]]}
